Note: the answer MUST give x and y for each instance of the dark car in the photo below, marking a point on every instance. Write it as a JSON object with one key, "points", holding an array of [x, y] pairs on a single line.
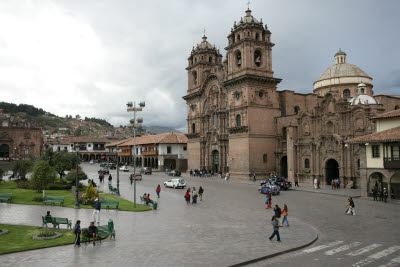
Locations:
{"points": [[174, 173], [283, 184], [103, 164], [146, 170], [112, 166], [104, 171]]}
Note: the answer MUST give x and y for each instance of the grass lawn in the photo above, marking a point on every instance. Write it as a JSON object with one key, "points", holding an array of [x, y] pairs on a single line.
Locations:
{"points": [[19, 238], [25, 196]]}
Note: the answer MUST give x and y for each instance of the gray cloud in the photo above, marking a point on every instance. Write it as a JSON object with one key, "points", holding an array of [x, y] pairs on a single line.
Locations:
{"points": [[112, 52]]}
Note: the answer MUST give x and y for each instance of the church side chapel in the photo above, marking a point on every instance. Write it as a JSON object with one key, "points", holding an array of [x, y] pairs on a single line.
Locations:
{"points": [[238, 122]]}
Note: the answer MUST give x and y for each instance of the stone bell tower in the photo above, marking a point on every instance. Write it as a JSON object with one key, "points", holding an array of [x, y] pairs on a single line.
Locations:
{"points": [[252, 99]]}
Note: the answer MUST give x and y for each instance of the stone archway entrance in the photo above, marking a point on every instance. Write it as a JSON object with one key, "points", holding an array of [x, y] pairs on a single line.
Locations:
{"points": [[331, 171], [215, 166], [284, 169], [4, 151], [395, 186]]}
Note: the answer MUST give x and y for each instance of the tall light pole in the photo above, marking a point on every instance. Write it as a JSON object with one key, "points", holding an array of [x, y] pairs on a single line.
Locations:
{"points": [[135, 123], [118, 194], [77, 178]]}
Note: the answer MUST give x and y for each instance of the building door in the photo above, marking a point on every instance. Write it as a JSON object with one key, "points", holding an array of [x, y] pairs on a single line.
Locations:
{"points": [[4, 151], [284, 170], [215, 161], [395, 186], [331, 170]]}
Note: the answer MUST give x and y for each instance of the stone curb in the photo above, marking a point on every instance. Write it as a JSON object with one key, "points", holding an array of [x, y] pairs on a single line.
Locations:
{"points": [[275, 254]]}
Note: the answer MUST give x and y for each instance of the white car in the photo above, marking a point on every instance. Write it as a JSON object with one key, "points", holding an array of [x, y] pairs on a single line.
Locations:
{"points": [[91, 162], [124, 169], [175, 183]]}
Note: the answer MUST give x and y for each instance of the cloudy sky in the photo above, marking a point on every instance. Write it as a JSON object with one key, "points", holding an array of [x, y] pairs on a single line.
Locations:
{"points": [[90, 57]]}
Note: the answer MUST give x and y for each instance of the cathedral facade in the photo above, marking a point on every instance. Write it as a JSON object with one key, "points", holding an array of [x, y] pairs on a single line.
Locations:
{"points": [[238, 122]]}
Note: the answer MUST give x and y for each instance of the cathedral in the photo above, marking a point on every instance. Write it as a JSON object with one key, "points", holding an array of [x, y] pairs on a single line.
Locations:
{"points": [[238, 122]]}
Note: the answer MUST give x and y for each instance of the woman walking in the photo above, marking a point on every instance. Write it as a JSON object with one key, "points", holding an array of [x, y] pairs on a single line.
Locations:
{"points": [[285, 214], [201, 191], [275, 225], [187, 196], [158, 190], [194, 196], [269, 201]]}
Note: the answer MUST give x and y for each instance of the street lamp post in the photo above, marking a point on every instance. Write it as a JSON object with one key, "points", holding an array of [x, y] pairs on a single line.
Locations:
{"points": [[135, 123], [118, 194], [77, 178]]}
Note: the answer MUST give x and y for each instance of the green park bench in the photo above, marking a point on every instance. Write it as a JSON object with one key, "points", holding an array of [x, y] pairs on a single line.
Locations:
{"points": [[57, 221], [102, 232], [112, 189], [5, 196], [109, 203], [145, 200], [54, 200], [46, 220]]}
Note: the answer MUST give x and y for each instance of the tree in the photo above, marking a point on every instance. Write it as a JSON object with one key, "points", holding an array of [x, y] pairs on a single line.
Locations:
{"points": [[1, 174], [63, 161], [48, 155], [22, 167], [71, 176], [43, 174]]}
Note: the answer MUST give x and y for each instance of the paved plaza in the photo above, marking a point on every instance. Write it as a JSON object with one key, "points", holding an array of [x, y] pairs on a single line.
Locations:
{"points": [[228, 227]]}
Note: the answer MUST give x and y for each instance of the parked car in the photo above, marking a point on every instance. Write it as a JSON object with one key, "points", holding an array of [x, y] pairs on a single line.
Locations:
{"points": [[112, 166], [104, 171], [103, 164], [124, 169], [137, 177], [269, 189], [283, 185], [174, 173], [175, 183], [91, 162], [146, 170]]}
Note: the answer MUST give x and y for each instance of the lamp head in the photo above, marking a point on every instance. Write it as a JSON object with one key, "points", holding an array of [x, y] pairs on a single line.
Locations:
{"points": [[142, 104], [129, 104], [139, 120]]}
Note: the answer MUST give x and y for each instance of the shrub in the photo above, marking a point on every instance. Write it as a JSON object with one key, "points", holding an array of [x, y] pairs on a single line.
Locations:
{"points": [[37, 198], [59, 186], [24, 185], [90, 192], [46, 234]]}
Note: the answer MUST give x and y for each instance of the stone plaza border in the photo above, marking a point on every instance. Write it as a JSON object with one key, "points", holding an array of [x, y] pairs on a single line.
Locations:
{"points": [[274, 254]]}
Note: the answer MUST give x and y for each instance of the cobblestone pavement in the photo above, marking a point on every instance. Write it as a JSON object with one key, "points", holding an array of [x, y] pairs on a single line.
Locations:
{"points": [[229, 226]]}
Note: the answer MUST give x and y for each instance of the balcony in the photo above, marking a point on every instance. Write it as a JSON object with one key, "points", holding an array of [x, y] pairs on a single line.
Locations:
{"points": [[389, 163], [150, 153], [99, 148]]}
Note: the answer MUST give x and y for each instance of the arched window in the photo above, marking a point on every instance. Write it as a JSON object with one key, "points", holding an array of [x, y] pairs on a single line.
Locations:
{"points": [[238, 121], [238, 37], [346, 93], [193, 128], [215, 119], [362, 91], [396, 107], [210, 59], [257, 57], [307, 163], [296, 110], [195, 77], [358, 164], [284, 133], [239, 58], [257, 36], [195, 60]]}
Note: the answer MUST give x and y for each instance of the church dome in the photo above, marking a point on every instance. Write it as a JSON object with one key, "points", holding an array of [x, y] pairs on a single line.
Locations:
{"points": [[205, 45], [343, 70]]}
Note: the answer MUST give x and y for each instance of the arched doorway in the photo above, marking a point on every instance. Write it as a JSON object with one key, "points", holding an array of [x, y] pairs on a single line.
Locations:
{"points": [[4, 151], [376, 178], [331, 170], [170, 164], [215, 166], [284, 170], [395, 186]]}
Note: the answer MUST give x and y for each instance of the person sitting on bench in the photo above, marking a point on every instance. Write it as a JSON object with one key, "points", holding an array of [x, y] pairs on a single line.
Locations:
{"points": [[148, 198], [48, 214], [92, 232]]}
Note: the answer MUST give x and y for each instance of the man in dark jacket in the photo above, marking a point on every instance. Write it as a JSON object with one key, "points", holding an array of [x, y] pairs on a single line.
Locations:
{"points": [[277, 211], [77, 232]]}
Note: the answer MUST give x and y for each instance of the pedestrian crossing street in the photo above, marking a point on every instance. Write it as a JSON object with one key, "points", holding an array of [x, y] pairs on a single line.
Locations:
{"points": [[367, 254]]}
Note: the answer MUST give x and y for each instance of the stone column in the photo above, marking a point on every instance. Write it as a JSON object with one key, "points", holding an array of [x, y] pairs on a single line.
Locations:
{"points": [[291, 163], [363, 171]]}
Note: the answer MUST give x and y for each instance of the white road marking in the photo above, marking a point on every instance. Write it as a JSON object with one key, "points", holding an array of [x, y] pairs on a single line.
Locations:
{"points": [[310, 250], [364, 250], [393, 262], [342, 248], [377, 256]]}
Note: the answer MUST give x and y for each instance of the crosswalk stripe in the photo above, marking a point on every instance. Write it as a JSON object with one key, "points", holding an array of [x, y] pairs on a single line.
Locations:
{"points": [[342, 248], [364, 250], [310, 250], [393, 262], [377, 256]]}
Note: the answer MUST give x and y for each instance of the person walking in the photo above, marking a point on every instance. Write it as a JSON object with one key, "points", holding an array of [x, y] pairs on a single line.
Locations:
{"points": [[110, 178], [269, 201], [201, 191], [385, 194], [131, 178], [275, 225], [318, 184], [315, 183], [296, 183], [96, 212], [194, 196], [77, 232], [187, 196], [278, 213], [285, 214], [158, 190], [219, 174], [375, 193], [254, 177]]}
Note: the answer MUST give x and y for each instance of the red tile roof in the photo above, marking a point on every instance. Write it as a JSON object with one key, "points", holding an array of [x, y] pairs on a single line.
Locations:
{"points": [[164, 138], [116, 143], [387, 115], [390, 135]]}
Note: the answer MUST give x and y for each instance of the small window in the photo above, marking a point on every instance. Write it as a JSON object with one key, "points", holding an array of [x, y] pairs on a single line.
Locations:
{"points": [[184, 148], [296, 110], [238, 121], [89, 145], [346, 93], [238, 58], [194, 77], [396, 107], [193, 128], [284, 133], [257, 58], [168, 150], [358, 164], [261, 94], [362, 91], [237, 95], [265, 158], [238, 37], [376, 151], [395, 152], [307, 163], [27, 135], [210, 59], [257, 36]]}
